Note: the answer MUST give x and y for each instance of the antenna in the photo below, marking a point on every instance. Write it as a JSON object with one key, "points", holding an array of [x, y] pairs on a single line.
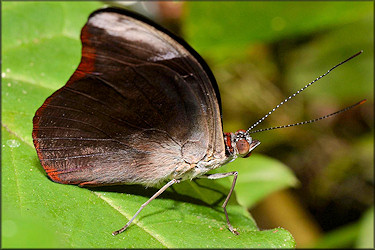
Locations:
{"points": [[310, 121], [299, 91]]}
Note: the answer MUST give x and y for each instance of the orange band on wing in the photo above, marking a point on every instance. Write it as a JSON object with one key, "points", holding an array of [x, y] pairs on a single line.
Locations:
{"points": [[87, 64]]}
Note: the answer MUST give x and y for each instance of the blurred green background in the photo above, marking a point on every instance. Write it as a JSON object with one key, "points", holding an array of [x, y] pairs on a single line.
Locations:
{"points": [[260, 53]]}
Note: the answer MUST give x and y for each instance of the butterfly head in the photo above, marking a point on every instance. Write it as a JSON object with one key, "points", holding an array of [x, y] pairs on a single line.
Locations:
{"points": [[239, 144]]}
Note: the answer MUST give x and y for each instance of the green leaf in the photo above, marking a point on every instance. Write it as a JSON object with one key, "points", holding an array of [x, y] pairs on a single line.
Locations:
{"points": [[259, 176], [41, 49], [20, 230], [366, 230]]}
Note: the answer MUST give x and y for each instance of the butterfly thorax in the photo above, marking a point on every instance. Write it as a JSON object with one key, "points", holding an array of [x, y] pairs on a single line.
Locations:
{"points": [[237, 144]]}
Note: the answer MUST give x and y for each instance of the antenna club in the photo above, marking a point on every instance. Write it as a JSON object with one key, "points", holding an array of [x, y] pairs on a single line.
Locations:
{"points": [[357, 54], [362, 102]]}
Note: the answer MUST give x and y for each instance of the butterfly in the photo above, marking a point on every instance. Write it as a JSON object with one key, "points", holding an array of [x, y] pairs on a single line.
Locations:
{"points": [[142, 107]]}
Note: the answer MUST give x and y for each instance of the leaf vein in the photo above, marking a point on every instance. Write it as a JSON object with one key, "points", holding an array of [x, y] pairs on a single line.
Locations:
{"points": [[139, 224]]}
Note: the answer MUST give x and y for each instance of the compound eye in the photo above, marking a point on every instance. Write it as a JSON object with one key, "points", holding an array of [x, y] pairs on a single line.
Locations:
{"points": [[243, 147]]}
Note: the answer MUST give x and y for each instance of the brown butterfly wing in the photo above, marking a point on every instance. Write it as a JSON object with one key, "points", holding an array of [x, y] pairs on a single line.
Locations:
{"points": [[141, 105]]}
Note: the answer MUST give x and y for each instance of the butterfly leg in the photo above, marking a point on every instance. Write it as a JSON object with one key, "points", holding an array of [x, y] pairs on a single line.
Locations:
{"points": [[161, 190], [224, 206]]}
